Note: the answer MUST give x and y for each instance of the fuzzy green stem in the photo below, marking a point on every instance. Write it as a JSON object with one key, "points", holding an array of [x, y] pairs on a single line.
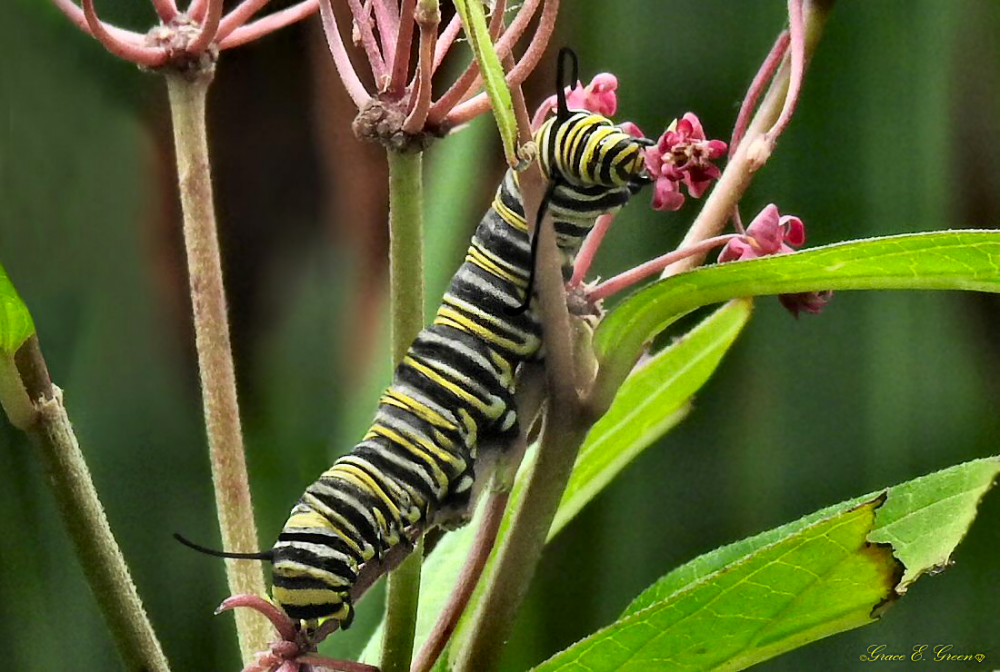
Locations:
{"points": [[215, 360], [84, 519], [406, 273]]}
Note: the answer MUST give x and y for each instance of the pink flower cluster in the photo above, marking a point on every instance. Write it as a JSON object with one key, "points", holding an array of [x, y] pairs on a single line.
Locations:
{"points": [[773, 233], [682, 155]]}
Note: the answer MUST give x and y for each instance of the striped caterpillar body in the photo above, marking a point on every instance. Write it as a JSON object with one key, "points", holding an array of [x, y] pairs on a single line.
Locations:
{"points": [[454, 390]]}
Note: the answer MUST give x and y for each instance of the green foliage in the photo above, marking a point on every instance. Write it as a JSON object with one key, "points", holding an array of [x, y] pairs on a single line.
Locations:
{"points": [[941, 260], [492, 71], [831, 571], [16, 327], [651, 402], [15, 321]]}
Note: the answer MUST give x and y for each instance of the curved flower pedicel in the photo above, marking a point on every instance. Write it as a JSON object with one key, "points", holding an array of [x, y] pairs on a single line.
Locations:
{"points": [[773, 233], [184, 39], [399, 111]]}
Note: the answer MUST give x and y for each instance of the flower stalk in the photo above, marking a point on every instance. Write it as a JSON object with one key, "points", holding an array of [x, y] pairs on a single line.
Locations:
{"points": [[187, 94], [761, 134], [406, 273]]}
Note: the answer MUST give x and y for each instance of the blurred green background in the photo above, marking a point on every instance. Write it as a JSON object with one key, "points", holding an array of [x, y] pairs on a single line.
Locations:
{"points": [[897, 131]]}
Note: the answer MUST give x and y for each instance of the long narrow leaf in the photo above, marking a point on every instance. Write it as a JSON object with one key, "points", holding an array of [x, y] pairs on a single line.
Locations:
{"points": [[968, 260], [474, 22], [16, 327], [650, 403]]}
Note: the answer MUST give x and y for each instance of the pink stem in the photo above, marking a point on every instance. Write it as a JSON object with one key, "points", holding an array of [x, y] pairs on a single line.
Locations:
{"points": [[796, 26], [281, 622], [446, 39], [196, 10], [240, 15], [590, 246], [401, 57], [653, 266], [210, 27], [422, 93], [543, 110], [479, 104], [363, 21], [166, 9], [757, 87], [336, 664], [149, 57], [737, 220], [340, 58], [457, 91], [269, 23], [75, 15], [472, 570], [387, 20]]}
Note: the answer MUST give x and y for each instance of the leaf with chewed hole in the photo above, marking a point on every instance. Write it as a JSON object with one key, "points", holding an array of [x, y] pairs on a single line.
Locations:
{"points": [[834, 570]]}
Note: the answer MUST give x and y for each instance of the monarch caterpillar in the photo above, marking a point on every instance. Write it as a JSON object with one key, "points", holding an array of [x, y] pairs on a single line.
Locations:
{"points": [[454, 389]]}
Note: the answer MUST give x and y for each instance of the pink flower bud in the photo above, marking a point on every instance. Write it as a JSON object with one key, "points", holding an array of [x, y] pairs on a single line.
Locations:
{"points": [[598, 96]]}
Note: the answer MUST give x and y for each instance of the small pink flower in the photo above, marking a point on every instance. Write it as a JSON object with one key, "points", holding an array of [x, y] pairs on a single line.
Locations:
{"points": [[667, 195], [599, 97], [773, 233], [683, 154]]}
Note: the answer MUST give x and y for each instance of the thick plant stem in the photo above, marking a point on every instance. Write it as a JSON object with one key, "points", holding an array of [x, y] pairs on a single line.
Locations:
{"points": [[215, 359], [406, 278], [83, 516], [566, 425]]}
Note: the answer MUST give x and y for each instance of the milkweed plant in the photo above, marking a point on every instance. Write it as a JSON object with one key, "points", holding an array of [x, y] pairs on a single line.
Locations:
{"points": [[607, 388]]}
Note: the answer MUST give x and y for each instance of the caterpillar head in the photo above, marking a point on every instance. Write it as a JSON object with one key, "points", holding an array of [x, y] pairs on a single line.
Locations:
{"points": [[588, 150]]}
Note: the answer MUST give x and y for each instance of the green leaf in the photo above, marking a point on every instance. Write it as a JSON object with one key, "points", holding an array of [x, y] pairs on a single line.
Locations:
{"points": [[831, 571], [15, 322], [651, 402], [474, 22], [967, 260], [16, 327]]}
